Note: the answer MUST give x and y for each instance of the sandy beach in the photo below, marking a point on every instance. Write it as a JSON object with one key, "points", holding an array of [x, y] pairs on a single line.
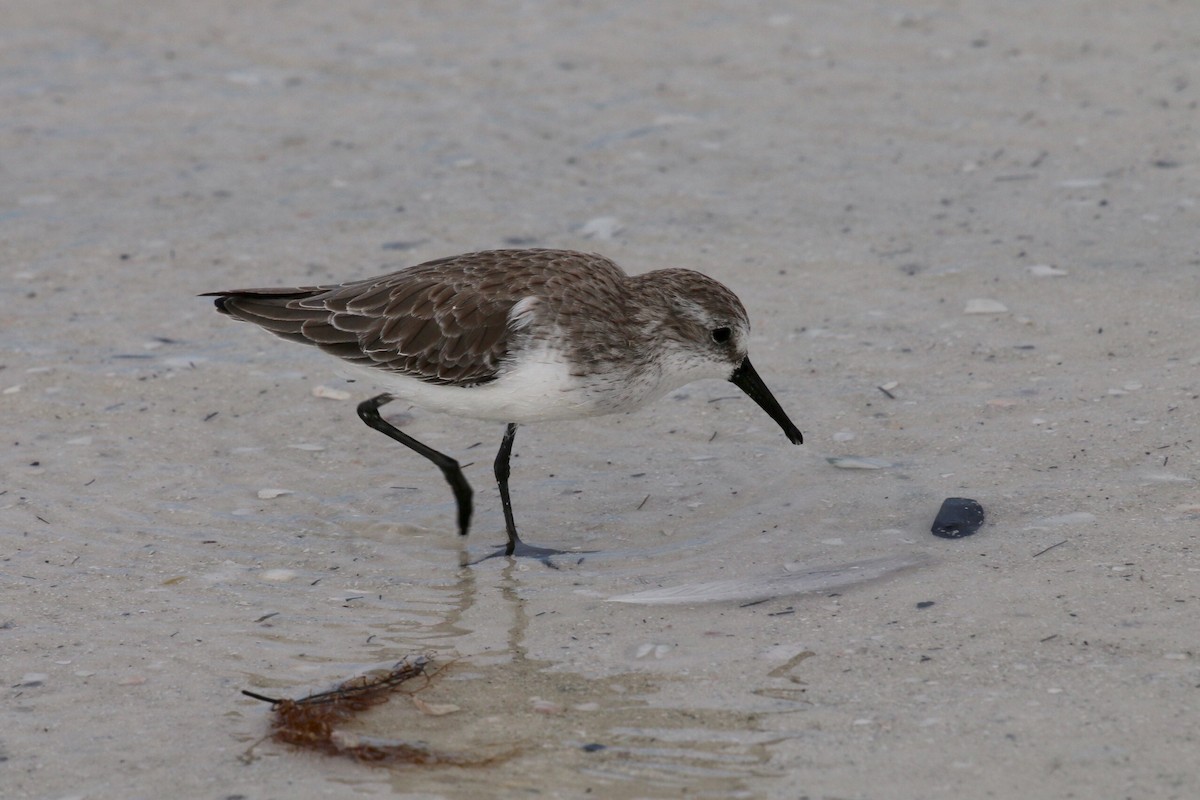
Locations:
{"points": [[966, 236]]}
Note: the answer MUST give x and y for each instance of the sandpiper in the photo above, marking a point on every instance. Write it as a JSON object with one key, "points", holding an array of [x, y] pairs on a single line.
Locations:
{"points": [[517, 336]]}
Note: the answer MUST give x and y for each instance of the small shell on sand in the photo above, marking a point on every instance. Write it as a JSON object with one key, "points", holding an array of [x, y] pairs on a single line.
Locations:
{"points": [[1046, 271], [983, 305], [330, 393], [858, 462]]}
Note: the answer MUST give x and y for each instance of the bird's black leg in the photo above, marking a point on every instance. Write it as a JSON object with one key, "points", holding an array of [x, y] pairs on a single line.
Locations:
{"points": [[502, 471], [368, 411], [515, 547]]}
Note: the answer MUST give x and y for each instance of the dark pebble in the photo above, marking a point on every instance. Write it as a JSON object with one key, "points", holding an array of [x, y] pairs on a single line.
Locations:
{"points": [[958, 517], [924, 604], [594, 747]]}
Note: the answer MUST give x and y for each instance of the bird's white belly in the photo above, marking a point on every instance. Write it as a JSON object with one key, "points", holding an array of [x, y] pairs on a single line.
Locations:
{"points": [[538, 387]]}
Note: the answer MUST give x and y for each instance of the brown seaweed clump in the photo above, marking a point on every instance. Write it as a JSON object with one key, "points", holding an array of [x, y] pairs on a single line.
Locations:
{"points": [[318, 722]]}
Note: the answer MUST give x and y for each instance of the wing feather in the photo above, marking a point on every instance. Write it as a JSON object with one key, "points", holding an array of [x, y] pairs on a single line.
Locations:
{"points": [[446, 321]]}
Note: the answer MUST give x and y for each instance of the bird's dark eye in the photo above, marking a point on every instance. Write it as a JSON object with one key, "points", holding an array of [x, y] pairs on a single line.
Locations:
{"points": [[721, 335]]}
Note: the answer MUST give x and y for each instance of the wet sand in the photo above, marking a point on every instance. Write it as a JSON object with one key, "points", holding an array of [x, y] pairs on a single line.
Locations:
{"points": [[185, 516]]}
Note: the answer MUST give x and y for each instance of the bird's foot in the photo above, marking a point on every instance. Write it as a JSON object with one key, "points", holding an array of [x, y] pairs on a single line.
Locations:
{"points": [[520, 549]]}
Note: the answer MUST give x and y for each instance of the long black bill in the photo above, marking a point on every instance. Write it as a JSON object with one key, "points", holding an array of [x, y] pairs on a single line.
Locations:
{"points": [[746, 379]]}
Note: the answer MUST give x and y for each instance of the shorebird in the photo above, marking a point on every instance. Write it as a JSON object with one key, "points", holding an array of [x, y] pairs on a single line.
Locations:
{"points": [[517, 336]]}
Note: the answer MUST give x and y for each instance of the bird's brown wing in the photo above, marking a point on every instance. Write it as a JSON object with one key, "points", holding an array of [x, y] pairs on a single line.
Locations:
{"points": [[445, 322]]}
